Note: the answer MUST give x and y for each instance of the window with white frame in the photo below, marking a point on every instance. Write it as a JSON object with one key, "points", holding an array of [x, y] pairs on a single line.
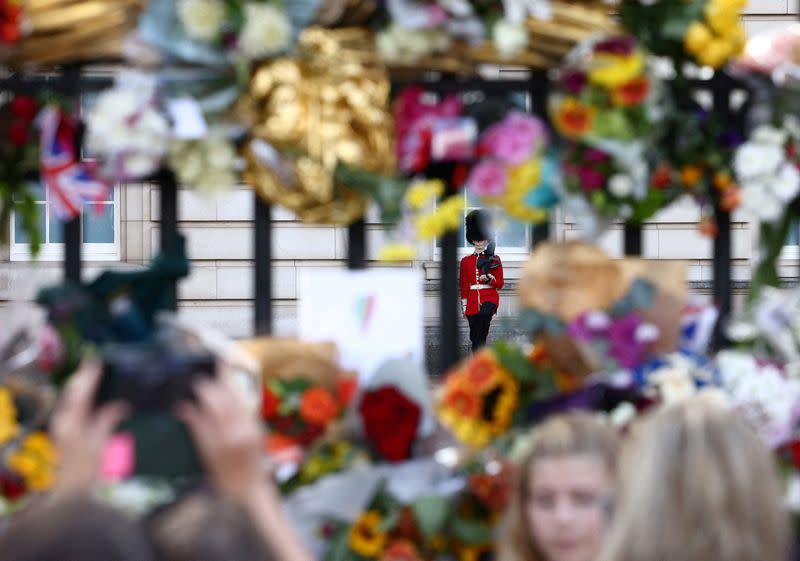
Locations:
{"points": [[512, 237], [100, 224]]}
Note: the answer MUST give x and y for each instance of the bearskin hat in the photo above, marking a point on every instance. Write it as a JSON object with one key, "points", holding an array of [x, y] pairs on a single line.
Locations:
{"points": [[478, 226]]}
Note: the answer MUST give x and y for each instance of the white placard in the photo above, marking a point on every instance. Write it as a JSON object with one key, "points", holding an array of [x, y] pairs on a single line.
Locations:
{"points": [[187, 118], [372, 316]]}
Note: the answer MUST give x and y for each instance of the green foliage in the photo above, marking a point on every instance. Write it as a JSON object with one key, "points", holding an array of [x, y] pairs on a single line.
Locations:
{"points": [[431, 514]]}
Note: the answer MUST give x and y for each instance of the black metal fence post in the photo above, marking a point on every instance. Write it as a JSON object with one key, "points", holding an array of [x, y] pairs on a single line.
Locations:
{"points": [[71, 87], [357, 245], [539, 233], [168, 186], [633, 240], [263, 266]]}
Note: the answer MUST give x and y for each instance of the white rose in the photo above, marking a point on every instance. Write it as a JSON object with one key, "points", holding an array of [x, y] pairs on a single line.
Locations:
{"points": [[787, 184], [620, 185], [201, 19], [646, 333], [753, 160], [769, 135], [266, 32], [509, 38], [742, 331]]}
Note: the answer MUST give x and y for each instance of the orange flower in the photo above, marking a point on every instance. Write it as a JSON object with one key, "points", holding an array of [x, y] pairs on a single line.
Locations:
{"points": [[538, 354], [464, 402], [346, 389], [731, 198], [708, 227], [722, 180], [481, 372], [691, 176], [318, 406], [632, 93], [400, 550], [573, 118]]}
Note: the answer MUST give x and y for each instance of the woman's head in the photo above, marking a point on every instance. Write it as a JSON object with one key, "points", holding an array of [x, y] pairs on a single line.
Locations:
{"points": [[698, 485], [562, 492], [74, 528], [204, 528]]}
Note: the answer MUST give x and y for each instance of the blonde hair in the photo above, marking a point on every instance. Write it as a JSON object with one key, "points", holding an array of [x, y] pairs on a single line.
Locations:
{"points": [[699, 486], [563, 435]]}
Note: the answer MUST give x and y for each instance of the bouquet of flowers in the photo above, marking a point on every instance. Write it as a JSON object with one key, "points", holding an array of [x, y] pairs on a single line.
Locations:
{"points": [[708, 32], [483, 397], [300, 411]]}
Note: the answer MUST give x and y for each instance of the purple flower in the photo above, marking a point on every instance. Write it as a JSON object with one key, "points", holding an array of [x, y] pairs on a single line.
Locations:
{"points": [[515, 139], [589, 325], [596, 156], [488, 179], [624, 347], [574, 81], [621, 45], [591, 179], [730, 139]]}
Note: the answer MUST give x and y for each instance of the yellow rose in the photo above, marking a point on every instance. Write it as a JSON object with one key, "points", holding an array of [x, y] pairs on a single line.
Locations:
{"points": [[722, 19], [612, 71], [423, 192], [738, 39], [397, 252], [697, 38], [716, 54]]}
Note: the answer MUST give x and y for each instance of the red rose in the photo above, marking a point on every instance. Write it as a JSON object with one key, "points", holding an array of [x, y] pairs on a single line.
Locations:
{"points": [[390, 422], [18, 134], [269, 403], [23, 108], [346, 389], [11, 487]]}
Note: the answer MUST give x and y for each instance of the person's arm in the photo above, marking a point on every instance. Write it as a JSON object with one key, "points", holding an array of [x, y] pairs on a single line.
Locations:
{"points": [[464, 282], [496, 276], [230, 440], [80, 431]]}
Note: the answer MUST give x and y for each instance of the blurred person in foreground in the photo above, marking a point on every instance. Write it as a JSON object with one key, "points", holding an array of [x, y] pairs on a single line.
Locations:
{"points": [[563, 491], [229, 439], [699, 485]]}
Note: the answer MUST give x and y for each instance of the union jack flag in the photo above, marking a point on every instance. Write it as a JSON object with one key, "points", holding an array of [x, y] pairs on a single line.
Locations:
{"points": [[70, 182]]}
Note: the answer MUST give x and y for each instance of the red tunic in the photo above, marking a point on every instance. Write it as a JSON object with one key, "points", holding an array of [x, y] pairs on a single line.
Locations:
{"points": [[469, 277]]}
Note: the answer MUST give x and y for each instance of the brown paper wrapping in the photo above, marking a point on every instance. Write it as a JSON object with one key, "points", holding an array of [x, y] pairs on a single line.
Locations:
{"points": [[62, 31], [568, 279], [288, 359]]}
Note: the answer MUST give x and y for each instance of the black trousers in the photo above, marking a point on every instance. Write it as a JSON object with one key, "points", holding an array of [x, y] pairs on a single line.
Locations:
{"points": [[478, 330]]}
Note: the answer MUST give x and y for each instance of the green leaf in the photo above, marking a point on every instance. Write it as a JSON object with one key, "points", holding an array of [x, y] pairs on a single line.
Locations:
{"points": [[339, 549], [390, 520], [431, 514], [512, 359], [471, 532]]}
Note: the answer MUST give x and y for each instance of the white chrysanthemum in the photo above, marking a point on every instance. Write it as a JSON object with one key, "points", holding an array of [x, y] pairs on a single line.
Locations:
{"points": [[267, 31], [509, 38], [754, 160], [127, 133], [758, 201], [787, 183], [207, 164], [201, 19], [620, 185], [769, 135]]}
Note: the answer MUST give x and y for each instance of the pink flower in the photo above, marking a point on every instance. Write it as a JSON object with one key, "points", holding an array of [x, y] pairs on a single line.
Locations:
{"points": [[413, 122], [51, 349], [488, 179], [515, 139], [591, 179], [596, 156]]}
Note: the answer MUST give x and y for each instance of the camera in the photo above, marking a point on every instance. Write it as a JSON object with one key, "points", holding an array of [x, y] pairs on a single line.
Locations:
{"points": [[152, 376]]}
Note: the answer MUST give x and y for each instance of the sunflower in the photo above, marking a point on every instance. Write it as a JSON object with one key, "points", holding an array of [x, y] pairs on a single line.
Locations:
{"points": [[366, 537], [462, 400], [500, 402], [35, 461], [481, 371]]}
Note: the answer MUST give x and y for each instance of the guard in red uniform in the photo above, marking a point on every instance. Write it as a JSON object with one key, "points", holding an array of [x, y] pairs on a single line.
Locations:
{"points": [[480, 278]]}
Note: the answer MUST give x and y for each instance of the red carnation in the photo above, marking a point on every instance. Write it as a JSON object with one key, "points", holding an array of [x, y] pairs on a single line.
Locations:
{"points": [[18, 134], [390, 422], [23, 108]]}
